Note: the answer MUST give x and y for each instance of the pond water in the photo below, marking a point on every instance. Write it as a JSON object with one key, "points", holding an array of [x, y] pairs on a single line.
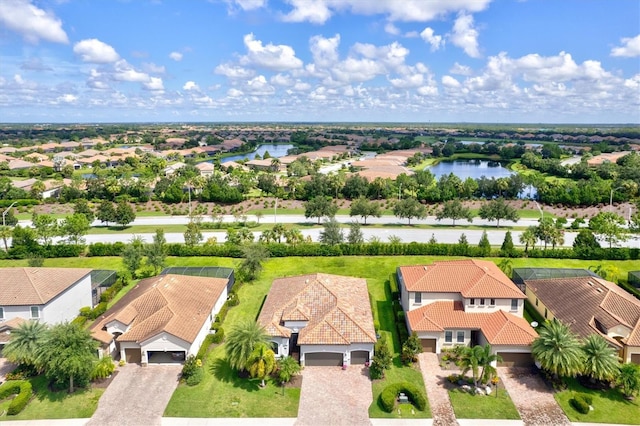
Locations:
{"points": [[275, 150], [474, 169]]}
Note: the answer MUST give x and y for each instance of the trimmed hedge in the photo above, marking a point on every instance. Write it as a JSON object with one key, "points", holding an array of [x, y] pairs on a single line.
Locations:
{"points": [[389, 395], [23, 390], [202, 352], [579, 402]]}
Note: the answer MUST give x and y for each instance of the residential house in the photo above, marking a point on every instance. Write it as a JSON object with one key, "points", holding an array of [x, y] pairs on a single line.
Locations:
{"points": [[6, 327], [466, 302], [206, 169], [50, 295], [322, 319], [162, 319], [590, 305]]}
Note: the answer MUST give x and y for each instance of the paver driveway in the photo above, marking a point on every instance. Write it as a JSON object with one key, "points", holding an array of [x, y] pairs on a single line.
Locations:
{"points": [[137, 396], [434, 378], [531, 396], [5, 367], [332, 396]]}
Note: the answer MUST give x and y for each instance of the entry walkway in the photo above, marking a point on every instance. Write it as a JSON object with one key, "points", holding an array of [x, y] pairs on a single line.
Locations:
{"points": [[434, 378]]}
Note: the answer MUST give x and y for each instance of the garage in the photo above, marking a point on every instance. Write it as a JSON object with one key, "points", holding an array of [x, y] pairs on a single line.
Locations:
{"points": [[359, 357], [514, 359], [428, 345], [323, 359], [133, 356], [635, 358], [162, 357]]}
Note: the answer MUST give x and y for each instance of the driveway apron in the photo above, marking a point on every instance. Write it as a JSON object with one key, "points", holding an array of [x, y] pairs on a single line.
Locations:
{"points": [[532, 397], [332, 396], [137, 396], [434, 381]]}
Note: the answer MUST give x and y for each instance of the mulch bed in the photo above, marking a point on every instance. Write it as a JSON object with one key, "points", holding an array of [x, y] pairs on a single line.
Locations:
{"points": [[104, 383]]}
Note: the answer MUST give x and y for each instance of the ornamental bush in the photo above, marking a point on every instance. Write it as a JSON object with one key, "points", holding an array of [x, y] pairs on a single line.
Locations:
{"points": [[389, 395], [579, 404], [23, 390]]}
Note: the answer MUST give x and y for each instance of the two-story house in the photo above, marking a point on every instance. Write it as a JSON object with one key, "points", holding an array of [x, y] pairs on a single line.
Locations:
{"points": [[466, 302]]}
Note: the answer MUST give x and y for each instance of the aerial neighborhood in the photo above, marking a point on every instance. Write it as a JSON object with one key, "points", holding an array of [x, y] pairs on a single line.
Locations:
{"points": [[319, 274]]}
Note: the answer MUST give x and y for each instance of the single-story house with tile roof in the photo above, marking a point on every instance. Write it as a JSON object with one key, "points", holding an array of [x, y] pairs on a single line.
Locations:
{"points": [[162, 319], [324, 319], [591, 305], [50, 295], [466, 302]]}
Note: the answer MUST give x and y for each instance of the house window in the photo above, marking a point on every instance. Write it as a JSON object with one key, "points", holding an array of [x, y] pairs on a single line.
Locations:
{"points": [[472, 301], [460, 337], [536, 302], [448, 336], [1, 313], [275, 347], [545, 313], [418, 298], [35, 312], [492, 302], [481, 302], [514, 304]]}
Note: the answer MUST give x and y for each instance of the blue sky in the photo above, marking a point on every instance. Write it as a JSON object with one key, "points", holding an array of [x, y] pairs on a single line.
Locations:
{"points": [[561, 61]]}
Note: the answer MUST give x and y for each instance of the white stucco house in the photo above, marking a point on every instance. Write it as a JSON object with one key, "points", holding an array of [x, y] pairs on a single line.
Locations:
{"points": [[50, 295], [466, 302], [163, 319], [320, 319]]}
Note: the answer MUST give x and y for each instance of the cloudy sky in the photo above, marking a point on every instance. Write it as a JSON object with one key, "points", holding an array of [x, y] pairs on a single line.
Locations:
{"points": [[320, 60]]}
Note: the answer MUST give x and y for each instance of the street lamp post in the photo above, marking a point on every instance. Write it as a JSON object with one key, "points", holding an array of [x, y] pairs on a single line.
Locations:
{"points": [[4, 213], [275, 211], [540, 209], [611, 197]]}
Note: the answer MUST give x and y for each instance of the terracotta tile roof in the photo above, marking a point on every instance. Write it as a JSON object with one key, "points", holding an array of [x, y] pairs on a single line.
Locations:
{"points": [[500, 328], [469, 277], [337, 309], [7, 326], [36, 286], [589, 304], [176, 304]]}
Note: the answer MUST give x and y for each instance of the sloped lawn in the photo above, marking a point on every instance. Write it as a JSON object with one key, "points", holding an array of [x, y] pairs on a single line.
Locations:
{"points": [[609, 406]]}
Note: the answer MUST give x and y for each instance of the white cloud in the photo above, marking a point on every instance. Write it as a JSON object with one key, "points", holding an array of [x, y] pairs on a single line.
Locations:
{"points": [[390, 28], [247, 4], [630, 47], [434, 40], [176, 56], [235, 93], [125, 72], [233, 71], [33, 23], [154, 84], [324, 50], [95, 51], [190, 85], [464, 35], [153, 68], [450, 82], [273, 57], [258, 86], [68, 98], [319, 11], [461, 69]]}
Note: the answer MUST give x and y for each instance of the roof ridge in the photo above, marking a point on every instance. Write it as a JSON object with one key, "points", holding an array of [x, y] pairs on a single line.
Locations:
{"points": [[35, 288], [324, 320], [354, 321]]}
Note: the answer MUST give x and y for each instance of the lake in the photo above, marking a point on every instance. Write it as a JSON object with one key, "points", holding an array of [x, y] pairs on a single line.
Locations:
{"points": [[474, 169], [275, 150]]}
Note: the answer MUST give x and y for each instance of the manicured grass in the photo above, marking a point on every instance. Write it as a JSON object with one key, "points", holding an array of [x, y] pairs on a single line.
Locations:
{"points": [[468, 406], [397, 374], [608, 406], [55, 405]]}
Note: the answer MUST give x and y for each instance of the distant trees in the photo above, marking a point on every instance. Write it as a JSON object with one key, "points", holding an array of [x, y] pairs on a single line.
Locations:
{"points": [[498, 209], [409, 208], [609, 227], [332, 233], [254, 256], [124, 214], [320, 207], [364, 208], [157, 251], [454, 210]]}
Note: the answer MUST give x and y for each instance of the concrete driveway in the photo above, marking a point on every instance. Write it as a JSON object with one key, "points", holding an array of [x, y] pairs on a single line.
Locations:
{"points": [[137, 396], [332, 396]]}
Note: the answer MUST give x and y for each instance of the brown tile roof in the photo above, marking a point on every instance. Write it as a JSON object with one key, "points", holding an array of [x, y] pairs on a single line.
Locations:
{"points": [[469, 277], [176, 304], [7, 326], [337, 309], [589, 305], [36, 286], [500, 328]]}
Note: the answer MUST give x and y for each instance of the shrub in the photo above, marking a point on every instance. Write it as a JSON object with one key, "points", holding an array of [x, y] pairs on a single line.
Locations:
{"points": [[191, 364], [23, 390], [202, 352], [219, 336], [579, 404], [196, 377], [389, 395], [80, 320], [376, 371], [103, 368]]}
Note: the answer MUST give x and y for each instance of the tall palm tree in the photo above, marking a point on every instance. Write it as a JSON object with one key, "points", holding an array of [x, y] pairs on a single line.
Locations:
{"points": [[529, 238], [470, 361], [600, 359], [24, 342], [241, 342], [558, 350], [486, 360], [261, 363]]}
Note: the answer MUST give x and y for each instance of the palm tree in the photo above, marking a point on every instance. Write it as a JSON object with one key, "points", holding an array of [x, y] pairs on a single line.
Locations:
{"points": [[287, 368], [241, 342], [486, 361], [5, 233], [600, 359], [558, 350], [261, 363], [529, 238], [629, 379], [470, 361], [24, 342]]}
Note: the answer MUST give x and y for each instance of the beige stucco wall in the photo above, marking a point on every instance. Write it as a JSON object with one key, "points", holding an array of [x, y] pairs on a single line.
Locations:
{"points": [[541, 307]]}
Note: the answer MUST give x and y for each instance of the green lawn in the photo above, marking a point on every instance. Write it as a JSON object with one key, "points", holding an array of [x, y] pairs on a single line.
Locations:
{"points": [[467, 406], [396, 374], [55, 405], [608, 406]]}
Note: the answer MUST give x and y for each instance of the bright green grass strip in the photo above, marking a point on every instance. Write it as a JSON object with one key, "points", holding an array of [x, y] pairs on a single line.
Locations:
{"points": [[468, 406]]}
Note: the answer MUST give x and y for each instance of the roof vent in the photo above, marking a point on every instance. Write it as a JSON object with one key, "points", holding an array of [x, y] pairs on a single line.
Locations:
{"points": [[425, 267], [599, 290], [306, 281], [590, 283]]}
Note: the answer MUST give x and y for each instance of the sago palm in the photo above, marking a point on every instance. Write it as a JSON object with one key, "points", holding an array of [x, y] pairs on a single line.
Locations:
{"points": [[600, 359], [242, 340], [558, 350], [261, 363]]}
